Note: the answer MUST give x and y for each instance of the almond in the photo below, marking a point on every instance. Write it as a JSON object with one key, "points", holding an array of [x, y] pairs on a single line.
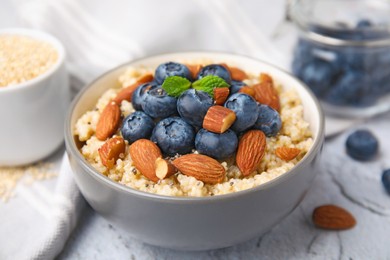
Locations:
{"points": [[287, 153], [250, 151], [247, 90], [264, 77], [127, 92], [333, 217], [235, 73], [194, 69], [111, 150], [220, 95], [201, 167], [164, 168], [144, 154], [218, 119], [109, 121], [266, 94]]}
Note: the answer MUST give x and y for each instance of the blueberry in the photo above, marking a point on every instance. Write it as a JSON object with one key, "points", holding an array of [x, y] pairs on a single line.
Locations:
{"points": [[174, 136], [216, 70], [318, 75], [363, 24], [268, 121], [246, 110], [386, 180], [192, 106], [236, 86], [362, 145], [137, 125], [218, 146], [138, 96], [158, 104], [171, 69]]}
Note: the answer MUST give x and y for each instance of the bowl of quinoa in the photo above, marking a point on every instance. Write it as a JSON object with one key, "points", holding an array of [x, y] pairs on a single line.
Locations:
{"points": [[217, 214]]}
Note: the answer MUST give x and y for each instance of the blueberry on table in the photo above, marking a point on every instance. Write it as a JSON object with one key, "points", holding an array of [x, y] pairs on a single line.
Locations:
{"points": [[386, 180], [218, 146], [137, 125], [362, 145], [171, 69], [268, 121], [216, 70], [139, 94], [174, 136], [158, 104], [246, 110], [192, 106], [236, 86]]}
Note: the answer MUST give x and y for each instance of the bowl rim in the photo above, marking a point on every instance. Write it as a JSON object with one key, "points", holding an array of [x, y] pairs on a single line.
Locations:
{"points": [[72, 148], [40, 36]]}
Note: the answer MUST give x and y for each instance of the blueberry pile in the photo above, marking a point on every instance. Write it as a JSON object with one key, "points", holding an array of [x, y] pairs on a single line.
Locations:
{"points": [[170, 111], [345, 75]]}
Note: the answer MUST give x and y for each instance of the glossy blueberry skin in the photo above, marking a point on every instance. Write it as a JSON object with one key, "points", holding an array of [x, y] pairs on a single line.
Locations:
{"points": [[362, 145], [192, 106], [174, 136], [236, 86], [386, 180], [158, 104], [268, 121], [137, 125], [168, 69], [216, 70], [218, 146], [139, 94], [246, 110]]}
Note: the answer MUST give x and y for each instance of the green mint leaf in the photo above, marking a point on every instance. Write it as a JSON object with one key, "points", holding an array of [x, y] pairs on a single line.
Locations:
{"points": [[175, 85], [209, 83]]}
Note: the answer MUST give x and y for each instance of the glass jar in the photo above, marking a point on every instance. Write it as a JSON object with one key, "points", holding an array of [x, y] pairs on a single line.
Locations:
{"points": [[343, 54]]}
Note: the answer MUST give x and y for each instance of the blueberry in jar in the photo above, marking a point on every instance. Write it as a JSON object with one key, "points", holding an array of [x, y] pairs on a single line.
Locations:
{"points": [[218, 146], [192, 106], [174, 136], [216, 70], [137, 125], [168, 69], [138, 97], [268, 121], [362, 145], [158, 104], [246, 110]]}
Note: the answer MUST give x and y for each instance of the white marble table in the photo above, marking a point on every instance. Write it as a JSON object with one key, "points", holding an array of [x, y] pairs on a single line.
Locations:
{"points": [[341, 180]]}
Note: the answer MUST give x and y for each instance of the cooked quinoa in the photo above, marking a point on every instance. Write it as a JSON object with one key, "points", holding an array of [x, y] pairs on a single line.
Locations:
{"points": [[23, 58], [295, 132]]}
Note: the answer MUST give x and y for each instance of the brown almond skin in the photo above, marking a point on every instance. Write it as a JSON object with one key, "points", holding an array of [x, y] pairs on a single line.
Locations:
{"points": [[111, 150], [247, 90], [264, 77], [194, 69], [201, 167], [266, 94], [164, 168], [237, 74], [287, 153], [220, 95], [333, 217], [250, 151], [218, 119], [144, 154], [109, 121], [127, 92]]}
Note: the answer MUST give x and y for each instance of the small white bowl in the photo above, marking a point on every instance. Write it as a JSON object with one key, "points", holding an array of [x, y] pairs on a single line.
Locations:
{"points": [[32, 113]]}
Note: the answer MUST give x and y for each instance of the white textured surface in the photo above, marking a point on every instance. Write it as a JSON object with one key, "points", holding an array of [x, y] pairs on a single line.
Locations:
{"points": [[341, 180]]}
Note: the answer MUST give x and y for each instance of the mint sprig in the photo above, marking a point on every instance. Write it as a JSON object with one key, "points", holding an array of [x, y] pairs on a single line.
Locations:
{"points": [[209, 83], [175, 85]]}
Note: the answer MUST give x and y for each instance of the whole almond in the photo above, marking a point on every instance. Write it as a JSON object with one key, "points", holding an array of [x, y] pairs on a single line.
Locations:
{"points": [[127, 92], [220, 95], [164, 168], [287, 153], [194, 69], [109, 121], [266, 94], [247, 90], [111, 151], [250, 151], [144, 154], [201, 167], [333, 217], [218, 119]]}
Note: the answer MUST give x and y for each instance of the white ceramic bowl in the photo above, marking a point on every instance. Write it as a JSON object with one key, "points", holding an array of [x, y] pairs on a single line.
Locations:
{"points": [[32, 113], [191, 223]]}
